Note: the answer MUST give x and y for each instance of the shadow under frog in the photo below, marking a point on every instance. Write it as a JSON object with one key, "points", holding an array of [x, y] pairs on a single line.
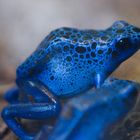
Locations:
{"points": [[70, 61]]}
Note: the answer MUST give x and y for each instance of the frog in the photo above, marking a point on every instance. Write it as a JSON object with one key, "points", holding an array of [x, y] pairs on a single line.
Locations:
{"points": [[66, 63]]}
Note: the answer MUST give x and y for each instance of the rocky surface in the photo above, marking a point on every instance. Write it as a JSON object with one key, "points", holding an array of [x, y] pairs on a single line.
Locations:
{"points": [[129, 127]]}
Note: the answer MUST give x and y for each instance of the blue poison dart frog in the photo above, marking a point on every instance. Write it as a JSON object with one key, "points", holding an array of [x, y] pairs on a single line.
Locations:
{"points": [[68, 61]]}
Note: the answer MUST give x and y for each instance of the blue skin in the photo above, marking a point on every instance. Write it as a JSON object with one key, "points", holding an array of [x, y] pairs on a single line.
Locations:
{"points": [[88, 116], [67, 62]]}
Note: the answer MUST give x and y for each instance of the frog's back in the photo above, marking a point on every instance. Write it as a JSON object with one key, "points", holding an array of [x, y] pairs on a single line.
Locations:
{"points": [[61, 40]]}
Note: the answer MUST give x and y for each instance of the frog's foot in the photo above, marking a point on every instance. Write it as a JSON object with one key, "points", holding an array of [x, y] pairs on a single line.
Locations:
{"points": [[12, 95], [36, 111]]}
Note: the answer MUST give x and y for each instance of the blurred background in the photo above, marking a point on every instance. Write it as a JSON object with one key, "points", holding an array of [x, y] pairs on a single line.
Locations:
{"points": [[23, 24]]}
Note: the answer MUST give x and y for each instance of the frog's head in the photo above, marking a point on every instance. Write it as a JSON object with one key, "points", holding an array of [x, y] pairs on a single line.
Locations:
{"points": [[126, 40]]}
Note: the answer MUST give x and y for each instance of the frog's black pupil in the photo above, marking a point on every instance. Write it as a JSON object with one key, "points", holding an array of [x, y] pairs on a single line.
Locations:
{"points": [[123, 43]]}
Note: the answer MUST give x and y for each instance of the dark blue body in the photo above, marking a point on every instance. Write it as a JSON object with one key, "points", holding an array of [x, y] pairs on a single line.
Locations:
{"points": [[67, 62]]}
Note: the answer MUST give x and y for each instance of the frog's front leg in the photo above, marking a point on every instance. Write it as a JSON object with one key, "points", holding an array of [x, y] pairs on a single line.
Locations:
{"points": [[28, 111], [44, 106]]}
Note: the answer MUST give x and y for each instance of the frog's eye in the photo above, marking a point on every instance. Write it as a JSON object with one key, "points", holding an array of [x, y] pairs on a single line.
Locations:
{"points": [[123, 43]]}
